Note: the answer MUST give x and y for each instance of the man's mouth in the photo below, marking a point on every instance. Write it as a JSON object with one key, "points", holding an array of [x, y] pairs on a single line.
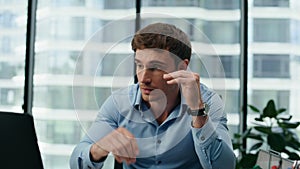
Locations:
{"points": [[146, 90]]}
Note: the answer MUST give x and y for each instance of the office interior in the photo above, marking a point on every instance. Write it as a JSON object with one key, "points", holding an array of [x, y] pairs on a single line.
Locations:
{"points": [[60, 60]]}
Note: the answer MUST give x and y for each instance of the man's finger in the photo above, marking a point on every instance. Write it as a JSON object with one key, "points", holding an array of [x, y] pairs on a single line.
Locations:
{"points": [[121, 159]]}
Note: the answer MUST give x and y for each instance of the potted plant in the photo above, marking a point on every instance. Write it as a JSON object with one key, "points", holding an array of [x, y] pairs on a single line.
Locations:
{"points": [[274, 130]]}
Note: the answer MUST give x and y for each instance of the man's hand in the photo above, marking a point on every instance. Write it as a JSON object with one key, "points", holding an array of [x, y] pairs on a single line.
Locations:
{"points": [[121, 143], [190, 86]]}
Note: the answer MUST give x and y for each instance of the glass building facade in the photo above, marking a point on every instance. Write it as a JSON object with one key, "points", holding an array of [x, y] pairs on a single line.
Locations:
{"points": [[83, 53]]}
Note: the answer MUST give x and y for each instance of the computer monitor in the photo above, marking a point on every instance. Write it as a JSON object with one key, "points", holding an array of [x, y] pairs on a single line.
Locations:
{"points": [[18, 141]]}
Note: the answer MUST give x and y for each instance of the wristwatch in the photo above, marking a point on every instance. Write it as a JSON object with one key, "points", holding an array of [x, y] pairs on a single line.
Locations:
{"points": [[198, 112]]}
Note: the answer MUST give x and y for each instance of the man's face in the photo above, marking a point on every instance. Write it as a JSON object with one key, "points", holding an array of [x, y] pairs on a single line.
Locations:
{"points": [[151, 65]]}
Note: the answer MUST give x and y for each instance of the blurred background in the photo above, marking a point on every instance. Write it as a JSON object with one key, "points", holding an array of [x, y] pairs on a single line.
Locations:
{"points": [[64, 63]]}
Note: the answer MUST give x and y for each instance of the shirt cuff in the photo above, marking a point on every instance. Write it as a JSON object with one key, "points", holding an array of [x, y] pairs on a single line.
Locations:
{"points": [[87, 162], [205, 134]]}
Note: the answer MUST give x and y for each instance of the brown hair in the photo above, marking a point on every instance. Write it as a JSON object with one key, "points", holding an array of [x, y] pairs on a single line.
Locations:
{"points": [[163, 36]]}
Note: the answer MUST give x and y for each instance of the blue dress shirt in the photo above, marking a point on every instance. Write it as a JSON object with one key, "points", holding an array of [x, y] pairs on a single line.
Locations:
{"points": [[172, 144]]}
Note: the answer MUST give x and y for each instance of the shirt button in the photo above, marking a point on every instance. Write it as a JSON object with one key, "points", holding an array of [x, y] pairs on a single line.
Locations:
{"points": [[158, 141], [158, 162], [202, 138]]}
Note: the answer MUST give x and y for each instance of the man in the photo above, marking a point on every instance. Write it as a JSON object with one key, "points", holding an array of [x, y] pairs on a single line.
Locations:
{"points": [[164, 120]]}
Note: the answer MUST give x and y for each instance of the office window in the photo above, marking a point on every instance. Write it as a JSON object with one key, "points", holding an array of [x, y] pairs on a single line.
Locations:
{"points": [[271, 3], [271, 66], [48, 97], [219, 32], [170, 3], [58, 3], [230, 98], [219, 4], [44, 30], [7, 19], [183, 24], [9, 97], [271, 30], [121, 65], [295, 36], [12, 54], [230, 65], [216, 66], [61, 28], [50, 100], [68, 28], [10, 70], [6, 45], [56, 62], [273, 70], [59, 131], [122, 30], [116, 4], [216, 32], [56, 161], [77, 56]]}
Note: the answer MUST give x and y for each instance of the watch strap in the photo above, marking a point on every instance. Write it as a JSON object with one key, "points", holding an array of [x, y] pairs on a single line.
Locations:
{"points": [[197, 112]]}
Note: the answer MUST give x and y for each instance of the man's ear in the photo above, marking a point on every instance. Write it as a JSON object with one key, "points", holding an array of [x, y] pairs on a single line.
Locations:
{"points": [[183, 64]]}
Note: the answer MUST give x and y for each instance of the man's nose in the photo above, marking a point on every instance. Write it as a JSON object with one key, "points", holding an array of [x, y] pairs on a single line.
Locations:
{"points": [[145, 76]]}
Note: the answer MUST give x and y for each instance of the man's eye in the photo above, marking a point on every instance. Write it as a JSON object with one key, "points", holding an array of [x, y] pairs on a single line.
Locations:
{"points": [[152, 69], [156, 67], [140, 66]]}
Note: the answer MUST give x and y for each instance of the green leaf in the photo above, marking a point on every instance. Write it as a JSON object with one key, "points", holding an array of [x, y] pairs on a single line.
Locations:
{"points": [[270, 110], [236, 145], [255, 137], [263, 129], [281, 110], [276, 142], [292, 141], [293, 144], [254, 109], [259, 119], [256, 146], [256, 167], [285, 117], [292, 155], [237, 135], [289, 125], [246, 133]]}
